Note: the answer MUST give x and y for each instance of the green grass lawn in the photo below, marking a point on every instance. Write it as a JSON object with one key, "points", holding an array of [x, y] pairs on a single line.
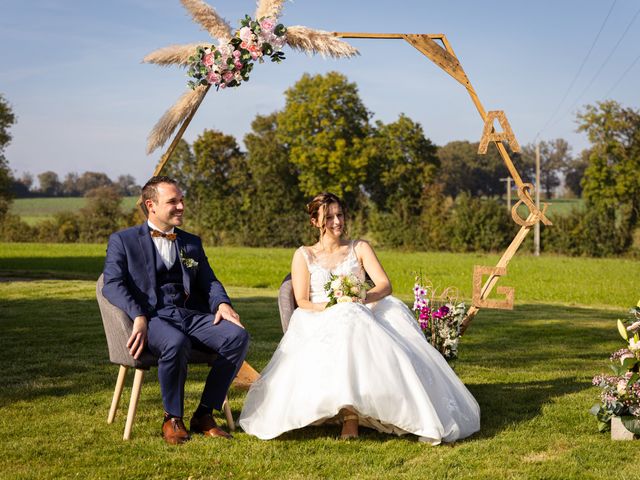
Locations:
{"points": [[529, 369], [34, 210]]}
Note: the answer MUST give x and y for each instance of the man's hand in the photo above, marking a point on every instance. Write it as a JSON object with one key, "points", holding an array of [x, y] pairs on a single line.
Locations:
{"points": [[225, 311], [138, 338]]}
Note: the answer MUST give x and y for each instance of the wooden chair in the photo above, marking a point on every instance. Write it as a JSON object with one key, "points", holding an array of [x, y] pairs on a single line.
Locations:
{"points": [[117, 328]]}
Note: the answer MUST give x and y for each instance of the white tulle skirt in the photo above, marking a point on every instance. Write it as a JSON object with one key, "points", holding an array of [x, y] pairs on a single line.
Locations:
{"points": [[370, 358]]}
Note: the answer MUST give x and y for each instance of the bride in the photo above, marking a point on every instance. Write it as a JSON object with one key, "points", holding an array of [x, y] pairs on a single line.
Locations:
{"points": [[361, 364]]}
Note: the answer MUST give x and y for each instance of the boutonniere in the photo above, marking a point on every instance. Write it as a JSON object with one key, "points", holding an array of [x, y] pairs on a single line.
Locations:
{"points": [[188, 262]]}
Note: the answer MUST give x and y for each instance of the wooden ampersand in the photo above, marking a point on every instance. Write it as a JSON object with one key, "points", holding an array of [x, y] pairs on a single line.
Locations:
{"points": [[478, 300], [488, 133], [524, 193]]}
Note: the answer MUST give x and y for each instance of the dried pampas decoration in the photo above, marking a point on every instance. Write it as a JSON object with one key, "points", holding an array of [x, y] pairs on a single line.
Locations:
{"points": [[269, 8], [180, 110], [299, 38], [206, 16], [174, 54], [318, 41]]}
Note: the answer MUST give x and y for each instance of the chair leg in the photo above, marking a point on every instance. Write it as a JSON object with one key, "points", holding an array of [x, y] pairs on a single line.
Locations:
{"points": [[117, 393], [133, 403], [228, 415]]}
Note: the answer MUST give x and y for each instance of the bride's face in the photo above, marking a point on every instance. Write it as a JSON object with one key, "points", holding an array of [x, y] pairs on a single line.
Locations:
{"points": [[334, 222]]}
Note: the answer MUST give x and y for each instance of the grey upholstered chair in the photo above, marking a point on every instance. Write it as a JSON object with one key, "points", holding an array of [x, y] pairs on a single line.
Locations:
{"points": [[286, 302], [117, 328]]}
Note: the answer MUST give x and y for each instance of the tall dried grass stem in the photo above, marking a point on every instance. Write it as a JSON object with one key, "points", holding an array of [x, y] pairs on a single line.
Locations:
{"points": [[180, 110], [206, 16], [318, 41], [268, 8], [174, 54]]}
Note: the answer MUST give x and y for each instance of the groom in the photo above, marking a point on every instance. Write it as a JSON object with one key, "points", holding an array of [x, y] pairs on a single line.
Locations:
{"points": [[160, 276]]}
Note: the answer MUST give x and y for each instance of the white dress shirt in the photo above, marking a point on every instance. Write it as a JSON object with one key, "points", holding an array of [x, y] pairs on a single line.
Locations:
{"points": [[166, 248]]}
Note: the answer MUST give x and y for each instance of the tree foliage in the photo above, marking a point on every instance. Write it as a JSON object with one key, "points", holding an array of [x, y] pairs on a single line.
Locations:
{"points": [[464, 170], [7, 119], [555, 158], [324, 126], [403, 162], [611, 181], [275, 202]]}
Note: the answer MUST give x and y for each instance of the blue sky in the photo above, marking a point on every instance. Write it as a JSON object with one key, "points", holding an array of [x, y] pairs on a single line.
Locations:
{"points": [[72, 71]]}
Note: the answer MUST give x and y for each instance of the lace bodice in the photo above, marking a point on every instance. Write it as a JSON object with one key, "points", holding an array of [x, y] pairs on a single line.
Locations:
{"points": [[321, 270]]}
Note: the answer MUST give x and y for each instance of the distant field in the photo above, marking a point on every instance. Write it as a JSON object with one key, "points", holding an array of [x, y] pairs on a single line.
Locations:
{"points": [[34, 210]]}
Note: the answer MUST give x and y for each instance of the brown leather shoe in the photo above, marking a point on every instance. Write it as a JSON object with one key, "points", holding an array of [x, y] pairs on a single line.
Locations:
{"points": [[206, 425], [174, 432]]}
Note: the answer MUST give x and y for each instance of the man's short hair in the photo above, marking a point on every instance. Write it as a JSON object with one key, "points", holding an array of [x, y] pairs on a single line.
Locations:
{"points": [[150, 189]]}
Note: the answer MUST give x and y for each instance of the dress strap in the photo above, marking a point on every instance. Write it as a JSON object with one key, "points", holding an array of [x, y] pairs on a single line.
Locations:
{"points": [[305, 254]]}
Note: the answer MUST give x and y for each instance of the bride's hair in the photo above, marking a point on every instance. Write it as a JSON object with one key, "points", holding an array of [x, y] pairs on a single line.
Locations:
{"points": [[324, 199]]}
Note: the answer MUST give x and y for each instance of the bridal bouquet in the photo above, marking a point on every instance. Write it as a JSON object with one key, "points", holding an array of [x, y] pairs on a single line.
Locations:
{"points": [[229, 64], [620, 394], [345, 288], [439, 317]]}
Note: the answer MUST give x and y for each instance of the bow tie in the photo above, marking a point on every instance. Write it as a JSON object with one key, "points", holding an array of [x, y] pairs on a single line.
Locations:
{"points": [[157, 233]]}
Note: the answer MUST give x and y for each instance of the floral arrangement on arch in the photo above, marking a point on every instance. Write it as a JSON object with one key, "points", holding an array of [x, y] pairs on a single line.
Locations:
{"points": [[439, 316], [620, 390], [229, 63]]}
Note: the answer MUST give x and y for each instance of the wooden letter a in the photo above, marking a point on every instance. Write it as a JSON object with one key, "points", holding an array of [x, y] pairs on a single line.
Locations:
{"points": [[489, 135]]}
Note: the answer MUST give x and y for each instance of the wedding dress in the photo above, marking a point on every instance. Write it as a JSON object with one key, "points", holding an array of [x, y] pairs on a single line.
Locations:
{"points": [[370, 358]]}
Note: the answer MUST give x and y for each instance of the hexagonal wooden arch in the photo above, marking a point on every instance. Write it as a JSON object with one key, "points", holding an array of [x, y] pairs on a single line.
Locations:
{"points": [[444, 57]]}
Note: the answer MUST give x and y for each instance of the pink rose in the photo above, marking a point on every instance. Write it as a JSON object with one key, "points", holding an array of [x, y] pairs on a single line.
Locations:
{"points": [[208, 59], [227, 76], [237, 53], [268, 24], [213, 77], [238, 64], [338, 293], [245, 34]]}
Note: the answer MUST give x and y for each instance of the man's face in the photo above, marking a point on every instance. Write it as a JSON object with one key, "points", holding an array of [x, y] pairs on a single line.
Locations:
{"points": [[167, 211]]}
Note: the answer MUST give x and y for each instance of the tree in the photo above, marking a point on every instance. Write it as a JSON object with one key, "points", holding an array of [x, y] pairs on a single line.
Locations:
{"points": [[324, 127], [50, 186], [102, 215], [127, 186], [70, 185], [21, 187], [574, 172], [555, 157], [611, 179], [91, 180], [275, 202], [404, 162], [7, 119], [213, 177], [462, 169]]}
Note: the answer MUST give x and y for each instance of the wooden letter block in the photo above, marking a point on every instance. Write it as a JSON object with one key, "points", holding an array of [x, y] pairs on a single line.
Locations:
{"points": [[488, 134], [479, 298]]}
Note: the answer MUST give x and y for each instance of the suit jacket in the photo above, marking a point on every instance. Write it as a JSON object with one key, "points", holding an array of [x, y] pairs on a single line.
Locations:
{"points": [[130, 273]]}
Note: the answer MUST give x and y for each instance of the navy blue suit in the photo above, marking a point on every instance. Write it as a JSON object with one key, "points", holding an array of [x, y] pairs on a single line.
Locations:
{"points": [[179, 304]]}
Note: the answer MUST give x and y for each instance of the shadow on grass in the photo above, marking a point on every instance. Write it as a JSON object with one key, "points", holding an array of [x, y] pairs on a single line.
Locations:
{"points": [[506, 404], [71, 267], [53, 347], [57, 347]]}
